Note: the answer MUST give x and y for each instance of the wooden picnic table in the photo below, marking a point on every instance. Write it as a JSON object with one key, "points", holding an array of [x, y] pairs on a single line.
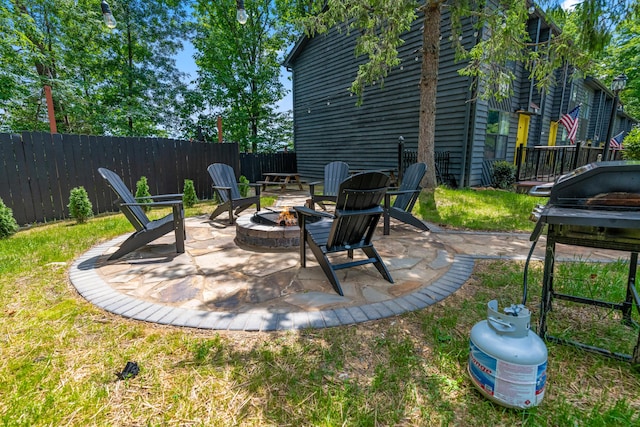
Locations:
{"points": [[281, 179]]}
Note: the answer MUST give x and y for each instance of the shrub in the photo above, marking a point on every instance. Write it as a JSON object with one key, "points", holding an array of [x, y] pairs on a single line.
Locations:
{"points": [[631, 144], [189, 197], [142, 193], [504, 175], [8, 224], [79, 205], [243, 187]]}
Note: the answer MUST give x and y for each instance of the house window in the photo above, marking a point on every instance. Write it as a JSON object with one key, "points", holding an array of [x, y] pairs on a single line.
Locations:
{"points": [[495, 143]]}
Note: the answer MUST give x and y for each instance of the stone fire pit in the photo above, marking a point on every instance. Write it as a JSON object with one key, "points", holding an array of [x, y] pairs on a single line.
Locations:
{"points": [[263, 230]]}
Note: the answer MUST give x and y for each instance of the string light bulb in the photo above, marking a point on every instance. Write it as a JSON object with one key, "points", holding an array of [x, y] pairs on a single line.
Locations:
{"points": [[241, 14], [109, 20]]}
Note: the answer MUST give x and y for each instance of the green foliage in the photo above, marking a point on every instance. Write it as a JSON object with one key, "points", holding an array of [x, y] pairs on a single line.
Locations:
{"points": [[623, 56], [142, 192], [79, 205], [8, 224], [189, 197], [122, 81], [243, 186], [239, 73], [504, 175], [631, 144]]}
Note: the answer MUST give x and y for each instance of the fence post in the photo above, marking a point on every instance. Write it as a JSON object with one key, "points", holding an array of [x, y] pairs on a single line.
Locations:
{"points": [[575, 159], [400, 157]]}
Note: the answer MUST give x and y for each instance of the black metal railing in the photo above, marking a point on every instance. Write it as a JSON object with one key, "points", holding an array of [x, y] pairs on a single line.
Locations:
{"points": [[442, 161], [545, 164]]}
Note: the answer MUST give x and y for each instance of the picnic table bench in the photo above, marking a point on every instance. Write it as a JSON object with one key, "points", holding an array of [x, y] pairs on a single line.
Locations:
{"points": [[282, 179]]}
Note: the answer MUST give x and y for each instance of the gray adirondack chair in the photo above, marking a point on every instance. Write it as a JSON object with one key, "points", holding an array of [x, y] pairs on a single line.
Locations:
{"points": [[226, 186], [351, 226], [406, 197], [146, 230], [334, 174]]}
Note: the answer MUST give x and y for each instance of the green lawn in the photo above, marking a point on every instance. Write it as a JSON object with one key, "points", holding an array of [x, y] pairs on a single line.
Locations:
{"points": [[59, 354]]}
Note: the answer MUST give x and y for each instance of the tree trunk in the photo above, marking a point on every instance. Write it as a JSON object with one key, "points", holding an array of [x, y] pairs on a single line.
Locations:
{"points": [[428, 87]]}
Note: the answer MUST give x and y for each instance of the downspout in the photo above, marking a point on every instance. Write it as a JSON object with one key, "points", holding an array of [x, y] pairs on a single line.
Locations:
{"points": [[468, 129], [293, 107], [564, 89], [543, 108], [531, 82], [468, 139]]}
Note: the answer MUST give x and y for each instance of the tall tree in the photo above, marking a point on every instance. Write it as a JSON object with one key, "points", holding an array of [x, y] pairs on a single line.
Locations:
{"points": [[121, 81], [239, 68], [624, 52], [141, 84], [29, 39], [381, 23]]}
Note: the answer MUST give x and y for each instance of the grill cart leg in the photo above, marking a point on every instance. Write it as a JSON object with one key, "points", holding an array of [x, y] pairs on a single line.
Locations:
{"points": [[627, 306], [547, 285]]}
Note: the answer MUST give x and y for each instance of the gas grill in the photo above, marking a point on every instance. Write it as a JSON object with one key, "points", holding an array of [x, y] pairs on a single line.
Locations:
{"points": [[598, 206]]}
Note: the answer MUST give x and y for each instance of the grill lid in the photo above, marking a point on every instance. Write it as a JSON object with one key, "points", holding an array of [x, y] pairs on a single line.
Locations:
{"points": [[599, 184], [604, 194]]}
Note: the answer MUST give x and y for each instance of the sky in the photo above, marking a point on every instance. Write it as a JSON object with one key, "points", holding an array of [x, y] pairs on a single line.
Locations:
{"points": [[186, 64]]}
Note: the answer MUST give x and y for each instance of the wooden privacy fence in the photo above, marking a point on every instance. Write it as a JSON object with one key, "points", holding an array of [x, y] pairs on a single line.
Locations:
{"points": [[252, 166], [38, 170]]}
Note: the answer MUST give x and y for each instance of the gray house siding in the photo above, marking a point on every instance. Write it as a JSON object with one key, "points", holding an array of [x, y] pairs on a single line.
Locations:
{"points": [[455, 131], [328, 125], [597, 102]]}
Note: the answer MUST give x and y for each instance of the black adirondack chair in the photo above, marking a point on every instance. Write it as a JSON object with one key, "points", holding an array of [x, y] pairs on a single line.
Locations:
{"points": [[351, 227], [334, 174], [226, 186], [406, 196], [146, 230]]}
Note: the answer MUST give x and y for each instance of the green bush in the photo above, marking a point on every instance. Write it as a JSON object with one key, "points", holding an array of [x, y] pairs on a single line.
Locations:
{"points": [[189, 197], [79, 205], [631, 145], [8, 224], [243, 186], [504, 175], [142, 193]]}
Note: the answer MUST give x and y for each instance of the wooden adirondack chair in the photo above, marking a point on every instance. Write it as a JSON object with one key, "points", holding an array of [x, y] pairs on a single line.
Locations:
{"points": [[146, 230], [226, 186], [334, 174], [406, 197], [351, 227]]}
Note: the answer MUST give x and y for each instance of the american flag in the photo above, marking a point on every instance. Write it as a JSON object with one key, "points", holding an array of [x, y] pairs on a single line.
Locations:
{"points": [[570, 121], [616, 141]]}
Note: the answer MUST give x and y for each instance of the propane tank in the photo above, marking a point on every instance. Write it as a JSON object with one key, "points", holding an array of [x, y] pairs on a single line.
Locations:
{"points": [[507, 361]]}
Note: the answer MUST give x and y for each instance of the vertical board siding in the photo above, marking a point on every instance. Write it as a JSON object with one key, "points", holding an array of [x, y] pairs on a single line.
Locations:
{"points": [[330, 126], [38, 170]]}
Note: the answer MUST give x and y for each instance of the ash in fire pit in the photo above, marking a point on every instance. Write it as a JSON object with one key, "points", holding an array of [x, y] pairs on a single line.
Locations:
{"points": [[269, 229]]}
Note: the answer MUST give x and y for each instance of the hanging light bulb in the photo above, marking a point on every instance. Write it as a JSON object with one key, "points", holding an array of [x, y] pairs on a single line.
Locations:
{"points": [[109, 20], [241, 14]]}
